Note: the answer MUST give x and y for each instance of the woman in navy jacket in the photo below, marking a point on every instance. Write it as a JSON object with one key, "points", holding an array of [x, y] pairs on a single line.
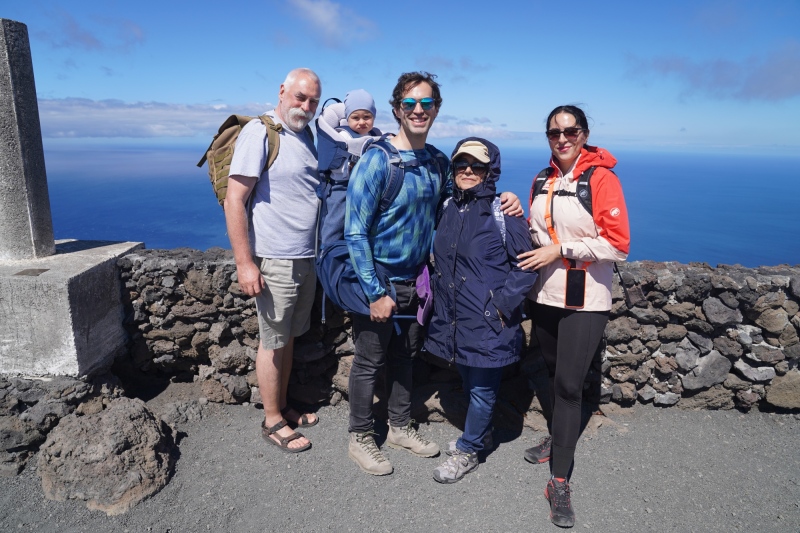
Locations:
{"points": [[477, 292]]}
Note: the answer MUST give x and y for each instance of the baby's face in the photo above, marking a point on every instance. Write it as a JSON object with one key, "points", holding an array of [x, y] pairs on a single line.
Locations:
{"points": [[361, 121]]}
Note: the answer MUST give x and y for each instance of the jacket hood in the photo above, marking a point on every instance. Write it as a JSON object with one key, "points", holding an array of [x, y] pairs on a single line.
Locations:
{"points": [[591, 156], [488, 187]]}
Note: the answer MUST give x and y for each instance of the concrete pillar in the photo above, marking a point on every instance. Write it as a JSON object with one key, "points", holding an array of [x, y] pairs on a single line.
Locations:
{"points": [[26, 225], [60, 307]]}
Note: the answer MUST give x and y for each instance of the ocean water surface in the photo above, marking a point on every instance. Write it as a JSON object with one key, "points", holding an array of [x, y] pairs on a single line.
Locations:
{"points": [[683, 207]]}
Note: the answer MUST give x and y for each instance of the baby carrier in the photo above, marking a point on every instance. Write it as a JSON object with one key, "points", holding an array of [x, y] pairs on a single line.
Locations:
{"points": [[336, 156], [334, 268]]}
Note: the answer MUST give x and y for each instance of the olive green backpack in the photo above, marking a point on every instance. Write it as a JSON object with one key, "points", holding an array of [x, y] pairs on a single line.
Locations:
{"points": [[220, 151]]}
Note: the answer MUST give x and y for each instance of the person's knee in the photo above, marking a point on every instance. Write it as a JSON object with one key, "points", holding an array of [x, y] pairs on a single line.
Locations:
{"points": [[569, 391], [367, 364]]}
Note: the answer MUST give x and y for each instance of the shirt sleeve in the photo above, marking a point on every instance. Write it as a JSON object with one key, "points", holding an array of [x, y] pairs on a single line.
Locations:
{"points": [[367, 182], [250, 152], [611, 219], [518, 282]]}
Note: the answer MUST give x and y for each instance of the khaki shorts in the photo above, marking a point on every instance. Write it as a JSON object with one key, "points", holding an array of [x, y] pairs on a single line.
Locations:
{"points": [[284, 304]]}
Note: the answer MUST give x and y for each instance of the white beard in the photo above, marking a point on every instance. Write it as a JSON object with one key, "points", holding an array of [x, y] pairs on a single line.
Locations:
{"points": [[297, 119]]}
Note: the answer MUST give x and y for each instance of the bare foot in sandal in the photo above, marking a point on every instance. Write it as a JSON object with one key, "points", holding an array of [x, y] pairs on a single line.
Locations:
{"points": [[282, 436], [293, 416]]}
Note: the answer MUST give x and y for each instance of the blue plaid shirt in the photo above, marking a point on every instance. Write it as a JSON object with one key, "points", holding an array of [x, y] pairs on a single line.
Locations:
{"points": [[399, 238]]}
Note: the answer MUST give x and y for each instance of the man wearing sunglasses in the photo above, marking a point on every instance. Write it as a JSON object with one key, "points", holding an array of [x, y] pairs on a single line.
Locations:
{"points": [[399, 239]]}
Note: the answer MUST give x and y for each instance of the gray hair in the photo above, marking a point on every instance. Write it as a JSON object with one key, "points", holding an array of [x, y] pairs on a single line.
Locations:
{"points": [[292, 76]]}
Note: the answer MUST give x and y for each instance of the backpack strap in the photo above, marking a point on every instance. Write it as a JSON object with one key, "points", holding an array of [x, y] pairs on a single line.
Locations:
{"points": [[273, 140], [583, 189], [397, 167], [441, 161], [538, 183]]}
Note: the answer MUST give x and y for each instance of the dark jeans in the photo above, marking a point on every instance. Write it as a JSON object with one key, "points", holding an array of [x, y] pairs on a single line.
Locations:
{"points": [[375, 344], [481, 386], [568, 340]]}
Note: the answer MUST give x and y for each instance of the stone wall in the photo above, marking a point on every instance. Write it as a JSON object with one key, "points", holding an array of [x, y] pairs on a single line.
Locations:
{"points": [[717, 338]]}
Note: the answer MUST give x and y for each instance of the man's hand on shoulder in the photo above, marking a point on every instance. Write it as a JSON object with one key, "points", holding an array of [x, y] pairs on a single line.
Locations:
{"points": [[382, 309], [510, 204], [250, 280]]}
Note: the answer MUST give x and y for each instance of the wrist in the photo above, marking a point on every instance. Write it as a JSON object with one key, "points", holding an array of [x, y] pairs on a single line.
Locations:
{"points": [[375, 297]]}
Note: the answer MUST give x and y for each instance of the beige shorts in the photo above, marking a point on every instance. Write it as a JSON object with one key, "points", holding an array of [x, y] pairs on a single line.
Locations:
{"points": [[284, 304]]}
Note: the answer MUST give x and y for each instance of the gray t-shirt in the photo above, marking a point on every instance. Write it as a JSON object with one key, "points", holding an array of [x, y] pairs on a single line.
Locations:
{"points": [[283, 219]]}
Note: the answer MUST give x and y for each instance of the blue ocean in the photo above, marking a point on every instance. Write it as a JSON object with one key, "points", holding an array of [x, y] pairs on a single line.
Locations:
{"points": [[683, 207]]}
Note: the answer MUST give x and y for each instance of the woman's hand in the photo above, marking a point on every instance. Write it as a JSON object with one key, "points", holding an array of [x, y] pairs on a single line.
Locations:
{"points": [[540, 257]]}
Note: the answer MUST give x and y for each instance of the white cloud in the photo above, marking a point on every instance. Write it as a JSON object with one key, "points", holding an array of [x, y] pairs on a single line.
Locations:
{"points": [[465, 128], [83, 118], [106, 119], [332, 23]]}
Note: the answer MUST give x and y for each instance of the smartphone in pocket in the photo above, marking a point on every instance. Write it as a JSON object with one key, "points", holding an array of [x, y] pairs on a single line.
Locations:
{"points": [[576, 288]]}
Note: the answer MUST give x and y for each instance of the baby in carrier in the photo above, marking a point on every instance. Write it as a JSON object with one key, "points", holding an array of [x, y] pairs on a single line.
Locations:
{"points": [[359, 108], [342, 131]]}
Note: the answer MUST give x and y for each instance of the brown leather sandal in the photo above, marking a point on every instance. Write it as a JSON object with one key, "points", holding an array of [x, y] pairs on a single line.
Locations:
{"points": [[283, 442], [303, 420]]}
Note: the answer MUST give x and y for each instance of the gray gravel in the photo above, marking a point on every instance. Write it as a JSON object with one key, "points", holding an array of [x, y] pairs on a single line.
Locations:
{"points": [[646, 469]]}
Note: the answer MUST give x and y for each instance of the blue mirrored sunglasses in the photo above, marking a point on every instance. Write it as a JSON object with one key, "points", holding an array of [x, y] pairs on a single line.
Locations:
{"points": [[409, 104]]}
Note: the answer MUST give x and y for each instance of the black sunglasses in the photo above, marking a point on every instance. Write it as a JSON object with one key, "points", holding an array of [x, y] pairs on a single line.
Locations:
{"points": [[570, 133], [477, 167]]}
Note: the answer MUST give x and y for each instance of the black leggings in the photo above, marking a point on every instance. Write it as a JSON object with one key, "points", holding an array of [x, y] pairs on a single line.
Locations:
{"points": [[568, 340]]}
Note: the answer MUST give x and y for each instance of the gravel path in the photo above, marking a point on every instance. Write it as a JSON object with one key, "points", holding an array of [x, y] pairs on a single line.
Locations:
{"points": [[645, 469]]}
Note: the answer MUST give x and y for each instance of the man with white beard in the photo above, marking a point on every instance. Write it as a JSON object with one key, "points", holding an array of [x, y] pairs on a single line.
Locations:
{"points": [[275, 254]]}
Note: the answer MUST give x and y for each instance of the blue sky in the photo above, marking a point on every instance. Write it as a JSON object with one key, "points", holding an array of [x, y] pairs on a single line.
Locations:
{"points": [[679, 75]]}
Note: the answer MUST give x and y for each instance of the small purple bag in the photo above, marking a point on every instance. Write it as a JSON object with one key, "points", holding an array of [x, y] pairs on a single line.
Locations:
{"points": [[425, 295]]}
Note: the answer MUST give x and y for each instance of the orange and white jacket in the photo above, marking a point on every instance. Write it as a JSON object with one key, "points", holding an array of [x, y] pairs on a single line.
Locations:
{"points": [[595, 242]]}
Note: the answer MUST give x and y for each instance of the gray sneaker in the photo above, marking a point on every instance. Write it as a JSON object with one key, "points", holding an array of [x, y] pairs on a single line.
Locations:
{"points": [[407, 438], [366, 454], [457, 466], [488, 444]]}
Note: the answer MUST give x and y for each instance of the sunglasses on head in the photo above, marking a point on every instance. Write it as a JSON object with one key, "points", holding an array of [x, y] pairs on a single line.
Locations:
{"points": [[570, 133], [477, 167], [409, 104]]}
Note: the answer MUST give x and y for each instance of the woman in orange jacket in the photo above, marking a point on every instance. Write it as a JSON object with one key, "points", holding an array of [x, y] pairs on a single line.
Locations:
{"points": [[578, 243]]}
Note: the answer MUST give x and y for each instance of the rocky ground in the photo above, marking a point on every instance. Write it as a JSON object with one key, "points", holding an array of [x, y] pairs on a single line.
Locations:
{"points": [[639, 469]]}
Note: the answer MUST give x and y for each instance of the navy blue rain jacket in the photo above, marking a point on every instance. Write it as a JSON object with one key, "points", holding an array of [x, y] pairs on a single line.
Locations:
{"points": [[475, 275]]}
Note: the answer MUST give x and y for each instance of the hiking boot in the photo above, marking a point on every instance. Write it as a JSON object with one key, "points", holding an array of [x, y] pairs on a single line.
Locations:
{"points": [[457, 466], [488, 444], [407, 438], [541, 452], [557, 493], [367, 455]]}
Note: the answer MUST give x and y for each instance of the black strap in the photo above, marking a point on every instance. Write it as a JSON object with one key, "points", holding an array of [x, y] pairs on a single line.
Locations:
{"points": [[583, 189]]}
